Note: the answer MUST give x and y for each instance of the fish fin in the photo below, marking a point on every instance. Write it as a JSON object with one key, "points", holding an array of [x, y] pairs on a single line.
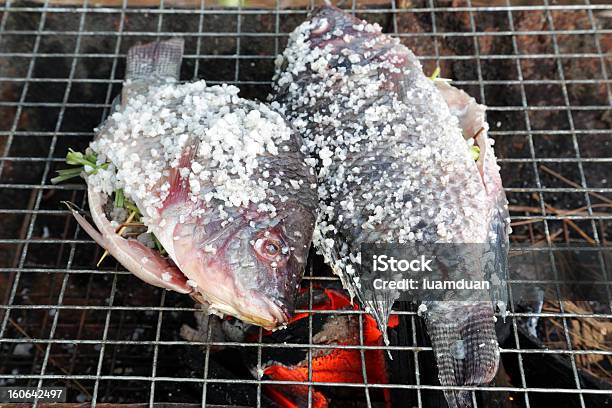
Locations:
{"points": [[88, 228], [378, 305], [160, 59], [179, 186], [465, 346], [142, 261], [380, 310]]}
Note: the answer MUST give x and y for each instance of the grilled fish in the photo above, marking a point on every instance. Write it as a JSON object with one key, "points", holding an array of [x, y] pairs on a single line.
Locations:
{"points": [[220, 182], [391, 150]]}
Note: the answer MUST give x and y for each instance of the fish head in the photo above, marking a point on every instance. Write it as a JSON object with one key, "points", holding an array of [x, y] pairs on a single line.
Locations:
{"points": [[244, 262]]}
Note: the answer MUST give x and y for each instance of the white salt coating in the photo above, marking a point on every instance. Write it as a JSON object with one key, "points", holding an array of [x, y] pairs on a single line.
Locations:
{"points": [[423, 199], [422, 309], [219, 136], [390, 155]]}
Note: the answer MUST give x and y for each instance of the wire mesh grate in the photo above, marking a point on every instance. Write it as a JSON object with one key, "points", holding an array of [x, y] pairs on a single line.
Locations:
{"points": [[542, 67]]}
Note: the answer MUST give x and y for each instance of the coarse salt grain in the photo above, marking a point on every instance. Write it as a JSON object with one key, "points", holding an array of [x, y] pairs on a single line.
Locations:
{"points": [[207, 127], [403, 149]]}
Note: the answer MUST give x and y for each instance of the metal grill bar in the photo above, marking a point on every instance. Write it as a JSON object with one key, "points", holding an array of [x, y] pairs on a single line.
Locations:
{"points": [[239, 34], [381, 10], [73, 315]]}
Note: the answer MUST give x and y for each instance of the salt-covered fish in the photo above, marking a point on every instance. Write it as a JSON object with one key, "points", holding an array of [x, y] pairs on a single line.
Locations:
{"points": [[394, 155], [219, 181]]}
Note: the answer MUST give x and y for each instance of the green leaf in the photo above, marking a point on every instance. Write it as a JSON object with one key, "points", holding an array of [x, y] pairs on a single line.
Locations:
{"points": [[74, 171], [435, 74], [95, 169], [82, 161], [475, 152], [119, 198], [77, 158], [66, 174], [130, 206], [91, 157]]}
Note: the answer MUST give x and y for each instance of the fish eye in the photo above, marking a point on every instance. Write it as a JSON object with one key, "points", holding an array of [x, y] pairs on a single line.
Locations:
{"points": [[269, 247], [272, 248]]}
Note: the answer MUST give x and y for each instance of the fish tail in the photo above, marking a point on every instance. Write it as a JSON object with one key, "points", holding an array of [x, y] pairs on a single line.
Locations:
{"points": [[465, 346], [160, 59]]}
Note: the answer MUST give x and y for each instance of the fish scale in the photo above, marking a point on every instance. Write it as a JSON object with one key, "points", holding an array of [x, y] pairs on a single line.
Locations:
{"points": [[393, 165]]}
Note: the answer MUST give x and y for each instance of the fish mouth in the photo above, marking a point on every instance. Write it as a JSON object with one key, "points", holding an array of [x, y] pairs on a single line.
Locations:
{"points": [[258, 310], [216, 282]]}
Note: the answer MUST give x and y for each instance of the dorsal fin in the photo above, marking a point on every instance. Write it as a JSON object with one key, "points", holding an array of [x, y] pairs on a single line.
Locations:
{"points": [[160, 59]]}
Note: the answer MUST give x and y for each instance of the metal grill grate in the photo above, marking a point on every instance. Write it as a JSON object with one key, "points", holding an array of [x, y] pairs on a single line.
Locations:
{"points": [[542, 68]]}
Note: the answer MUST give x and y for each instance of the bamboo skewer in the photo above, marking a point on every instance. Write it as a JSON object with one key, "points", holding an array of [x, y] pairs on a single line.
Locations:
{"points": [[120, 231]]}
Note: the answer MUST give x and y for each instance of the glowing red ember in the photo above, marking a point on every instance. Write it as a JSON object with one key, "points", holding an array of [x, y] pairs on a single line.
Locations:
{"points": [[333, 365]]}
